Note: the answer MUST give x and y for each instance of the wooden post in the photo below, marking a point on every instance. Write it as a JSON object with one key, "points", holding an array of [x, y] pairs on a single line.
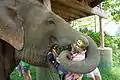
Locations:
{"points": [[101, 33], [101, 30], [95, 22], [105, 52]]}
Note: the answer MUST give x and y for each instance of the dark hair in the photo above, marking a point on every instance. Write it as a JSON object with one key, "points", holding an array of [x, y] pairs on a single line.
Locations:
{"points": [[69, 48], [51, 48]]}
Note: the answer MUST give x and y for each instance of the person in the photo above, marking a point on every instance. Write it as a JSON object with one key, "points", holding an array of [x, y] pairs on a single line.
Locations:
{"points": [[79, 51], [77, 54], [94, 75], [52, 59], [26, 70], [19, 69]]}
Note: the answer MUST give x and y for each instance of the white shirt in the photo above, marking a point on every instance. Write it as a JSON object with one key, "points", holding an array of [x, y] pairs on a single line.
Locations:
{"points": [[78, 56]]}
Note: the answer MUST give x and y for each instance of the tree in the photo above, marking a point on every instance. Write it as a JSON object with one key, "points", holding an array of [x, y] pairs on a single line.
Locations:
{"points": [[112, 8]]}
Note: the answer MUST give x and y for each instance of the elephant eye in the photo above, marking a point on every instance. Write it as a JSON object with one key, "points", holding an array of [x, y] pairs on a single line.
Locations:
{"points": [[51, 21]]}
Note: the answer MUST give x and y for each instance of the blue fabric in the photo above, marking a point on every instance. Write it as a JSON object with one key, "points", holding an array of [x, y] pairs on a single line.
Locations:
{"points": [[61, 68], [26, 68], [51, 58], [56, 64]]}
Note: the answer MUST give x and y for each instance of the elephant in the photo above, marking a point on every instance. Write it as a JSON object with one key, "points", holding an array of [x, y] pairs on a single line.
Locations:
{"points": [[26, 28]]}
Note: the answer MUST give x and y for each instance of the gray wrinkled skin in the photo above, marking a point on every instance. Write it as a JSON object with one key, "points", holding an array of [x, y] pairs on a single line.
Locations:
{"points": [[27, 27]]}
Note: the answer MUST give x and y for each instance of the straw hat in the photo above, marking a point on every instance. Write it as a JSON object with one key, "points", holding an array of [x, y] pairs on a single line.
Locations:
{"points": [[79, 44]]}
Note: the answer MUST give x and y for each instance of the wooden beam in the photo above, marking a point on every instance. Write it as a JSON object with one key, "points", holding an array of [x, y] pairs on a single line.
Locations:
{"points": [[83, 8], [66, 13], [98, 12], [47, 3], [75, 5], [82, 2], [68, 9]]}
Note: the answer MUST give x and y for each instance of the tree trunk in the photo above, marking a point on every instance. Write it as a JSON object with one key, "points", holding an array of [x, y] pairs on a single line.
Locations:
{"points": [[47, 73]]}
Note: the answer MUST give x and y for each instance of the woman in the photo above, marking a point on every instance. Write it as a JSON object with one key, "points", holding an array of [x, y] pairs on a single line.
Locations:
{"points": [[77, 54]]}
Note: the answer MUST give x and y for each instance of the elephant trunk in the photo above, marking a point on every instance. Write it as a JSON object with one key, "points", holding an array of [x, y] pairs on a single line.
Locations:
{"points": [[84, 66]]}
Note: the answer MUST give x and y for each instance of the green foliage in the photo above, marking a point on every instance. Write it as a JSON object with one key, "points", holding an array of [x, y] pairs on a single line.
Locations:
{"points": [[113, 42], [116, 58], [85, 77], [14, 75], [93, 35], [112, 7], [117, 41], [112, 74]]}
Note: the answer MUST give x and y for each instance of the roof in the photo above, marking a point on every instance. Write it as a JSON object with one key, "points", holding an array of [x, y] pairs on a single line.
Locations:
{"points": [[75, 9], [70, 10]]}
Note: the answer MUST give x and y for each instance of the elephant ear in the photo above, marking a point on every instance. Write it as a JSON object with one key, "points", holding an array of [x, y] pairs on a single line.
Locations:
{"points": [[11, 29]]}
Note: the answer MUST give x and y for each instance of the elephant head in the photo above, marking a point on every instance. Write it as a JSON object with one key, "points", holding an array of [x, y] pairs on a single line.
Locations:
{"points": [[28, 27]]}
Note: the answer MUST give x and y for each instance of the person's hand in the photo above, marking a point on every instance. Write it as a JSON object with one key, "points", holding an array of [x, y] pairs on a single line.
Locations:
{"points": [[76, 76], [51, 58], [69, 56]]}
